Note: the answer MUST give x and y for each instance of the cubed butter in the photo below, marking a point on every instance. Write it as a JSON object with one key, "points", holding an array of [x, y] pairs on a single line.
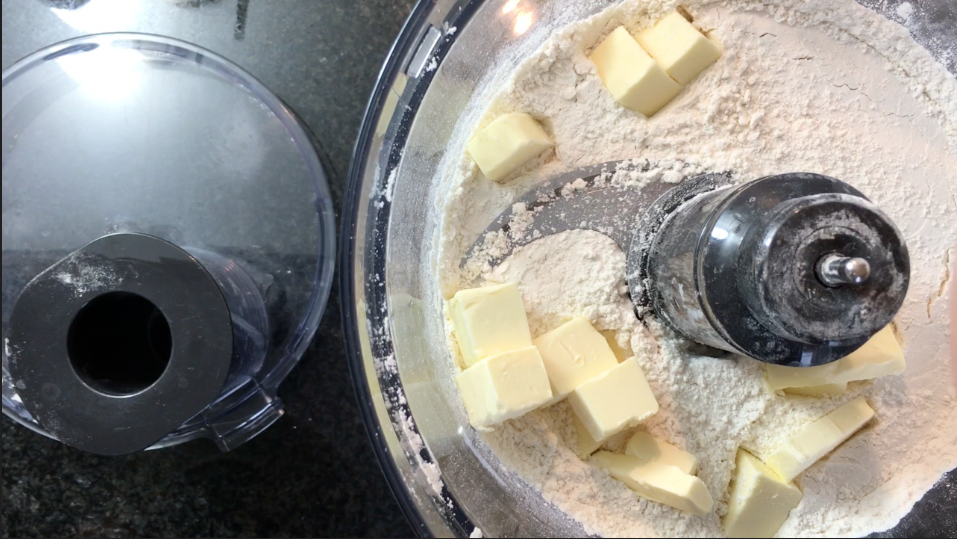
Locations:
{"points": [[586, 444], [504, 386], [819, 438], [614, 400], [574, 353], [488, 321], [634, 79], [620, 353], [647, 447], [508, 143], [661, 483], [760, 500], [681, 50], [818, 391], [880, 356]]}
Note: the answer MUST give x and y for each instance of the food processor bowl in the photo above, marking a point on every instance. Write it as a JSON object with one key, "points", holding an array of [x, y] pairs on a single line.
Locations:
{"points": [[439, 76]]}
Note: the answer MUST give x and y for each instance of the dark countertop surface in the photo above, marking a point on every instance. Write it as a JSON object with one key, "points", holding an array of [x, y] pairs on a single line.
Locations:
{"points": [[313, 474]]}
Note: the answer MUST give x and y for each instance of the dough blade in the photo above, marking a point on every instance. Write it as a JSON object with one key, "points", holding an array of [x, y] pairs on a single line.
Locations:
{"points": [[586, 198]]}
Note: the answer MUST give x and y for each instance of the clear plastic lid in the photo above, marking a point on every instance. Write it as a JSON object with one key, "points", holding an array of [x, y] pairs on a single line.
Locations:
{"points": [[137, 133]]}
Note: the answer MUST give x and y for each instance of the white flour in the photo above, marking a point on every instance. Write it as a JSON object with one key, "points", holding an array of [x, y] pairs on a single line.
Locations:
{"points": [[578, 271], [819, 86]]}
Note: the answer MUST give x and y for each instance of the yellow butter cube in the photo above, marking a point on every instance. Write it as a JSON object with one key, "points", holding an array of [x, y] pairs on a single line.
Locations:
{"points": [[586, 444], [614, 401], [819, 438], [880, 356], [681, 50], [760, 500], [504, 386], [634, 79], [508, 143], [574, 353], [647, 447], [488, 321], [658, 482]]}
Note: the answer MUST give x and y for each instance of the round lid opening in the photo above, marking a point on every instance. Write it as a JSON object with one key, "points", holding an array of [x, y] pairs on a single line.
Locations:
{"points": [[120, 343]]}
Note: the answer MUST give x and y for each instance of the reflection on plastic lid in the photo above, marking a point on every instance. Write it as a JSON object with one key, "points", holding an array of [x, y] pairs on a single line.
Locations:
{"points": [[107, 73]]}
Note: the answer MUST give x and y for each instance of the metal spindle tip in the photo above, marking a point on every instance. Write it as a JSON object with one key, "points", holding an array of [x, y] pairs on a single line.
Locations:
{"points": [[857, 270], [836, 270]]}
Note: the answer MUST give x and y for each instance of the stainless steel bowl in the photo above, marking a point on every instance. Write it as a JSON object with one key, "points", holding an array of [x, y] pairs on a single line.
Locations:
{"points": [[445, 481]]}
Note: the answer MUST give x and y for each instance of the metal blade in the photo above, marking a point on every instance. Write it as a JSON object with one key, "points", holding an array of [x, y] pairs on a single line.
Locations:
{"points": [[584, 199]]}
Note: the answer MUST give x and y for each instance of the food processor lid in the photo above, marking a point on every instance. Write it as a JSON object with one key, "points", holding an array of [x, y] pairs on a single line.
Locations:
{"points": [[134, 133]]}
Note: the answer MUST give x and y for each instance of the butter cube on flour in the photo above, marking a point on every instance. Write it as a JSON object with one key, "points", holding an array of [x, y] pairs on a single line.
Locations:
{"points": [[508, 143], [819, 438], [658, 482], [880, 356], [634, 79], [488, 321], [504, 386], [647, 447], [615, 400], [760, 500], [681, 50], [574, 353]]}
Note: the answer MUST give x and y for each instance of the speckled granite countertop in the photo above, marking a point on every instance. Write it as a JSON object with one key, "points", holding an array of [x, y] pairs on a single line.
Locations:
{"points": [[313, 473]]}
